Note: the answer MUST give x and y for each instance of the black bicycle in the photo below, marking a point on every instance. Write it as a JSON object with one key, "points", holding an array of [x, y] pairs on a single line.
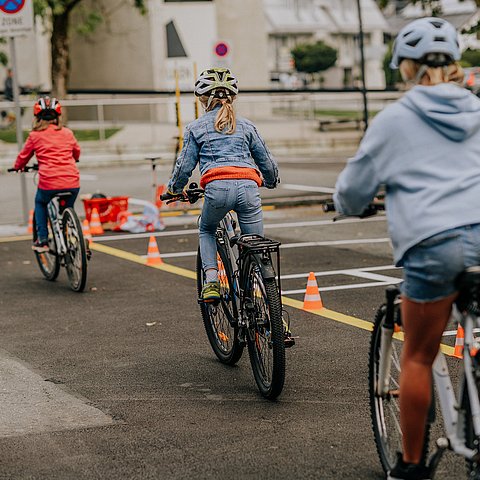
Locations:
{"points": [[249, 311], [67, 246]]}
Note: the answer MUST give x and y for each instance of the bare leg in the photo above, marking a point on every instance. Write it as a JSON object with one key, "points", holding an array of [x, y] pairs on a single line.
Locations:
{"points": [[424, 324]]}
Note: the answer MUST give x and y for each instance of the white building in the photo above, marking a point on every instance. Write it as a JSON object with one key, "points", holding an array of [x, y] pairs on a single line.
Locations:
{"points": [[131, 52], [336, 22]]}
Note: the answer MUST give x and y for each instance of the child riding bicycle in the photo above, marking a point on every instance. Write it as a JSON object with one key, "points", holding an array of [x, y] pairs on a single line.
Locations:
{"points": [[425, 149], [234, 161], [57, 152]]}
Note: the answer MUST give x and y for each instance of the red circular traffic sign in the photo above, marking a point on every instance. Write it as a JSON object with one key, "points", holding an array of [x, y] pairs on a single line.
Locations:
{"points": [[11, 6], [221, 49]]}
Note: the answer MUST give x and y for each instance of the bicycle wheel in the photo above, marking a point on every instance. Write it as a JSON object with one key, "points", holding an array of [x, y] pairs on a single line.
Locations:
{"points": [[265, 335], [473, 467], [49, 262], [220, 319], [385, 410], [76, 256]]}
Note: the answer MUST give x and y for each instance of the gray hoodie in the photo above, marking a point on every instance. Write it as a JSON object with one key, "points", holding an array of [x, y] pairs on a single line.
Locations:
{"points": [[425, 150]]}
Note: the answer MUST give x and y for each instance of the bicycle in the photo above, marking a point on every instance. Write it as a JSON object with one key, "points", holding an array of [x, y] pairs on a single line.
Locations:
{"points": [[461, 412], [67, 246], [249, 311]]}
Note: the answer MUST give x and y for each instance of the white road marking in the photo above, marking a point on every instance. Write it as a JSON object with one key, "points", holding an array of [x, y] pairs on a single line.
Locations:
{"points": [[306, 188], [87, 177], [347, 271], [192, 231], [32, 404], [345, 287]]}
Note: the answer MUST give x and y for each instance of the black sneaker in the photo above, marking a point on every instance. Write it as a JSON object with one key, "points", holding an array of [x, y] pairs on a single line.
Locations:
{"points": [[40, 246], [408, 471]]}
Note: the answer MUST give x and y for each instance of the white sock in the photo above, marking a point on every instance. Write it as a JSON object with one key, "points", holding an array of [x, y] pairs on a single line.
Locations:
{"points": [[211, 275]]}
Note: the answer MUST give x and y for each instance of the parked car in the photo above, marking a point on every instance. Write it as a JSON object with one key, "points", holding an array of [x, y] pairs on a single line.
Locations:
{"points": [[472, 79]]}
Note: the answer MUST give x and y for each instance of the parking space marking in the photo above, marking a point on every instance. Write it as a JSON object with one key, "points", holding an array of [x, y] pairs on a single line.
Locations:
{"points": [[306, 188], [268, 226], [291, 302]]}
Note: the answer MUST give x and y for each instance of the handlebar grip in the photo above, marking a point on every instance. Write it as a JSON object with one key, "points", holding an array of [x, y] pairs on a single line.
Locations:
{"points": [[166, 196], [328, 207], [12, 170]]}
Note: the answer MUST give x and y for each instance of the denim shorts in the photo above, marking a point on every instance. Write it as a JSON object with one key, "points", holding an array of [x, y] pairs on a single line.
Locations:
{"points": [[431, 266]]}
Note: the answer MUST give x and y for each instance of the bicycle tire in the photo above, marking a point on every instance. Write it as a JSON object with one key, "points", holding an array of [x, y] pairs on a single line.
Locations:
{"points": [[48, 262], [385, 412], [76, 255], [218, 319], [473, 468], [265, 336]]}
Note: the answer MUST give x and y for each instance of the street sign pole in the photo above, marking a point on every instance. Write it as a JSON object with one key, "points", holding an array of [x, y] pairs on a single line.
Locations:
{"points": [[18, 122]]}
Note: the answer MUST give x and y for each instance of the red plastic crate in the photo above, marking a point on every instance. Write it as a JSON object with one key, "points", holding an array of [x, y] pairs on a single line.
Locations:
{"points": [[108, 208]]}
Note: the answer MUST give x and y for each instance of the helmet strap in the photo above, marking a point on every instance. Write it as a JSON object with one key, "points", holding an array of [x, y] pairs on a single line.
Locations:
{"points": [[421, 72]]}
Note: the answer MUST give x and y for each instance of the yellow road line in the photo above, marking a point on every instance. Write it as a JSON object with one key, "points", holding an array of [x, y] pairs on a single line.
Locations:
{"points": [[17, 238], [116, 252], [291, 302]]}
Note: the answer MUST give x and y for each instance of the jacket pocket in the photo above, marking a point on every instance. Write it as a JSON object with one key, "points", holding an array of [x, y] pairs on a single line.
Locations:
{"points": [[216, 196]]}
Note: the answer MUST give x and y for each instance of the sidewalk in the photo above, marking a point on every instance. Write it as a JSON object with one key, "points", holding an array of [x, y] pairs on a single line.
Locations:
{"points": [[297, 138]]}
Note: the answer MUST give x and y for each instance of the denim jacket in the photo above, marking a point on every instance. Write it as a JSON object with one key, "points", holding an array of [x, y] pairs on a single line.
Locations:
{"points": [[211, 149]]}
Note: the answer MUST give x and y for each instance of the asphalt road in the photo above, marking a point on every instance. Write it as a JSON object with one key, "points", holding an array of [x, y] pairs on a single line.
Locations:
{"points": [[120, 383]]}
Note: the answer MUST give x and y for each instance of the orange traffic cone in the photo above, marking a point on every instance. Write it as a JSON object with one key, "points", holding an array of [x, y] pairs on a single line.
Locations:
{"points": [[312, 300], [153, 255], [30, 222], [222, 274], [95, 224], [459, 341], [87, 235]]}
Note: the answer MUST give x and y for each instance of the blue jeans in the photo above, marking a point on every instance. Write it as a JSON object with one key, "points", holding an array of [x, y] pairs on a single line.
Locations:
{"points": [[221, 196], [41, 201], [431, 267]]}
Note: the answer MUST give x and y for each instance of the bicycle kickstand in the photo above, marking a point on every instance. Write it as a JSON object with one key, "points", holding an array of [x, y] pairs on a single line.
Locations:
{"points": [[442, 445]]}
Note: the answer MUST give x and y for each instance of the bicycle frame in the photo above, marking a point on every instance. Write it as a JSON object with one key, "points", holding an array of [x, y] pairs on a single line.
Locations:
{"points": [[453, 415], [55, 214], [225, 233]]}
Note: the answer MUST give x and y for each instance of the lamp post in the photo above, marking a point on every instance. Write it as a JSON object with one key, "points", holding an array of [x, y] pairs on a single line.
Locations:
{"points": [[362, 66]]}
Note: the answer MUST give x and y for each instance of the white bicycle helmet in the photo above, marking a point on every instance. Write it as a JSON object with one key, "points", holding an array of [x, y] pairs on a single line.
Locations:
{"points": [[217, 83], [431, 41]]}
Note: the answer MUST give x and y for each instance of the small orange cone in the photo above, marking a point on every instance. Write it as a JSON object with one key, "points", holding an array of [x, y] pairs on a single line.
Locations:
{"points": [[95, 224], [30, 222], [312, 300], [459, 341], [87, 235], [153, 255]]}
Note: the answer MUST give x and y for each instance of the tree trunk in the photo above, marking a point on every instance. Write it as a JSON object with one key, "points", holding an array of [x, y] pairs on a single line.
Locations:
{"points": [[60, 49]]}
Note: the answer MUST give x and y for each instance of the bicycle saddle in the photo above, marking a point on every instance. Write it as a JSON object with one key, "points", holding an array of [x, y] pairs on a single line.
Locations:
{"points": [[468, 284]]}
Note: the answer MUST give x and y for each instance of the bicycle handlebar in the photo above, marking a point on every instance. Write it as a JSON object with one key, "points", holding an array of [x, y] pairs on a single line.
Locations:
{"points": [[24, 169], [371, 210], [191, 195]]}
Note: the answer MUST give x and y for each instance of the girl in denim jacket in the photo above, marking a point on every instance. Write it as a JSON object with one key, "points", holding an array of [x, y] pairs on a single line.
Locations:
{"points": [[234, 161]]}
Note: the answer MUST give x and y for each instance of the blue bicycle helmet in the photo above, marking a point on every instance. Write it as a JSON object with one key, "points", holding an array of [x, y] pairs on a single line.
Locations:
{"points": [[431, 41]]}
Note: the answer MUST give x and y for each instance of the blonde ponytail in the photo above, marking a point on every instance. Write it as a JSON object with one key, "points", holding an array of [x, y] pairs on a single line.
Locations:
{"points": [[452, 73], [226, 121]]}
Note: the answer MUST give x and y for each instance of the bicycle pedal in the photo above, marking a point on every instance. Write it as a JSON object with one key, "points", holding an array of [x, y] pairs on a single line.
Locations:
{"points": [[289, 342], [213, 301]]}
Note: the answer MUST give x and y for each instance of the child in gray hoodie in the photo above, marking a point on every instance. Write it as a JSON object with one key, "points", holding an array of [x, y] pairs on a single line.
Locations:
{"points": [[425, 150]]}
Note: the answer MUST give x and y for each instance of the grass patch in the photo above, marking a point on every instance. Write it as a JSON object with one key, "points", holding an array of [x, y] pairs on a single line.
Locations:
{"points": [[343, 113], [10, 135]]}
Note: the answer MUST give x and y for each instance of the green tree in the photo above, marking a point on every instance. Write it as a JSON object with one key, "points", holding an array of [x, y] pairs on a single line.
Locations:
{"points": [[470, 58], [56, 16], [313, 57], [391, 76]]}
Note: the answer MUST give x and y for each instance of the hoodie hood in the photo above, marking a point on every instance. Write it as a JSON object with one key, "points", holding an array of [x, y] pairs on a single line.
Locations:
{"points": [[450, 109]]}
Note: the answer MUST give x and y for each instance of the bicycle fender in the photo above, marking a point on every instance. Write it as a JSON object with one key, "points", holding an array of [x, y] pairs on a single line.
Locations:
{"points": [[266, 267]]}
